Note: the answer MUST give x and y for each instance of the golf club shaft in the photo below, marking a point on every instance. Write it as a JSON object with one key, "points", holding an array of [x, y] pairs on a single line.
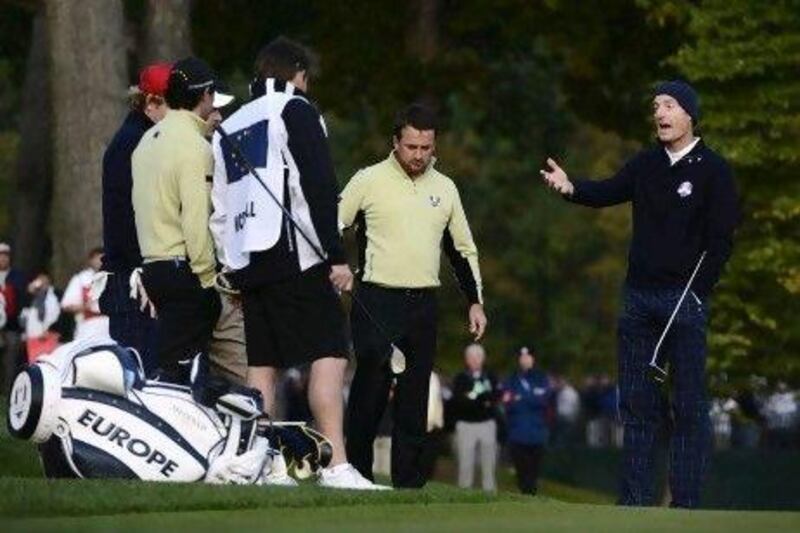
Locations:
{"points": [[654, 360], [317, 250]]}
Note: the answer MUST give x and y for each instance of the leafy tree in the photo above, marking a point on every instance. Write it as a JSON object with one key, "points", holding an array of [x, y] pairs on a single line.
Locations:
{"points": [[744, 57]]}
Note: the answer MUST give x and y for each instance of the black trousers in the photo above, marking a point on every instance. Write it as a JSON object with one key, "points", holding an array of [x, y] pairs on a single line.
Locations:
{"points": [[526, 458], [187, 314], [409, 318]]}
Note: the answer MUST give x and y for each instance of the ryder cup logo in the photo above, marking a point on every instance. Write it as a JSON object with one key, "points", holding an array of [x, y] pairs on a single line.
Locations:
{"points": [[685, 189], [435, 200]]}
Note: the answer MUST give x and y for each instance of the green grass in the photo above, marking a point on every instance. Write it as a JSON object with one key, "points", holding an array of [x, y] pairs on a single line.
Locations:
{"points": [[31, 503], [27, 497], [337, 512]]}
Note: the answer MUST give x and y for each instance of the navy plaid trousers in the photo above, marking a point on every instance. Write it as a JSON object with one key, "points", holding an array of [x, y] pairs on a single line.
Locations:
{"points": [[642, 406]]}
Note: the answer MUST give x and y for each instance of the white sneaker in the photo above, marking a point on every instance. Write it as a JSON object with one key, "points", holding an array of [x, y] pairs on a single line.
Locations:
{"points": [[276, 474], [345, 476]]}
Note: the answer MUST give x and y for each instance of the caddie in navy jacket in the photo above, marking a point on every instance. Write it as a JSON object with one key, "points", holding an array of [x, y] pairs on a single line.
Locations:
{"points": [[685, 210], [128, 325]]}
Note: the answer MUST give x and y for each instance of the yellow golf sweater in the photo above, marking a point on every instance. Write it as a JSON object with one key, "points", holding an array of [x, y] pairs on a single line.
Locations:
{"points": [[171, 193], [403, 225]]}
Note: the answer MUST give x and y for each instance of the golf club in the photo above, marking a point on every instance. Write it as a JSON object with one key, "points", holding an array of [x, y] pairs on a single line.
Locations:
{"points": [[658, 368], [397, 359]]}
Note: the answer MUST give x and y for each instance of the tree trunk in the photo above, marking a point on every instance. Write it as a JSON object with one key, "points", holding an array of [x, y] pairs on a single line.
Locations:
{"points": [[167, 31], [33, 171], [88, 76], [422, 39]]}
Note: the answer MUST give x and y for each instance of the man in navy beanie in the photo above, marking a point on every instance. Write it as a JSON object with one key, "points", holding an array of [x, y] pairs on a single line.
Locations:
{"points": [[685, 210]]}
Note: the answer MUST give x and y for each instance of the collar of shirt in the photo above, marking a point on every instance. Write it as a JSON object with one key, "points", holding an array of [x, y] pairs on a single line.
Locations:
{"points": [[275, 85], [674, 157], [140, 119], [402, 172], [189, 118]]}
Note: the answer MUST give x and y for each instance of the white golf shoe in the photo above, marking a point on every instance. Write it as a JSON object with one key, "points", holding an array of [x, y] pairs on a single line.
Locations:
{"points": [[345, 476]]}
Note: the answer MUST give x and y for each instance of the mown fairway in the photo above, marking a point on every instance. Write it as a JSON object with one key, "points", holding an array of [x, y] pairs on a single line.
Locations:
{"points": [[30, 503], [113, 506]]}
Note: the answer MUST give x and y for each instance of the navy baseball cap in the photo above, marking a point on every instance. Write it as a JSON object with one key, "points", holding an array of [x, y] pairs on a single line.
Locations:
{"points": [[193, 74]]}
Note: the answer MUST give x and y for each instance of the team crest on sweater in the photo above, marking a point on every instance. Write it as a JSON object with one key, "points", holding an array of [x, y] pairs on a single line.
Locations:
{"points": [[435, 200], [685, 189]]}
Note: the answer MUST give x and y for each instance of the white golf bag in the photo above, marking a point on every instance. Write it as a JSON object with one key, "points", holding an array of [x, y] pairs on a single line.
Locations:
{"points": [[94, 415]]}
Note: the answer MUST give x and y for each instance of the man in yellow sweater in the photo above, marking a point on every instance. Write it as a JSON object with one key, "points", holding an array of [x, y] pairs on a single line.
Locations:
{"points": [[172, 168], [405, 213]]}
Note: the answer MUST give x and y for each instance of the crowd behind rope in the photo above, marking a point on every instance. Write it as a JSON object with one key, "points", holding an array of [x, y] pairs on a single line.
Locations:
{"points": [[36, 316]]}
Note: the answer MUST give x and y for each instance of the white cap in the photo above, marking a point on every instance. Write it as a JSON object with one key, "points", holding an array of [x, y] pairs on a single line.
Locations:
{"points": [[222, 99]]}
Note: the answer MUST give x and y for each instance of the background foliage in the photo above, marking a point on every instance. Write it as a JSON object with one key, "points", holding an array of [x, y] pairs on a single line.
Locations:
{"points": [[516, 81]]}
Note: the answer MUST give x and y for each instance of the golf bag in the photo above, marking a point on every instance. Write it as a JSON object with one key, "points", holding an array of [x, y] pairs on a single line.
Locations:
{"points": [[93, 415]]}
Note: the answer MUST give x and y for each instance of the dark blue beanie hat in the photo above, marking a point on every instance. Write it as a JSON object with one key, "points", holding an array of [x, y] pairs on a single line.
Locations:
{"points": [[684, 94]]}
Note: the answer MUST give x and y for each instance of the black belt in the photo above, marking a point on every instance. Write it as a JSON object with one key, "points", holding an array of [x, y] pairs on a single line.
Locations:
{"points": [[406, 291], [176, 262]]}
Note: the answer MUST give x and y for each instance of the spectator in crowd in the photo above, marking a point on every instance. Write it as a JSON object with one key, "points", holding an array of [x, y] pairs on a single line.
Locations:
{"points": [[781, 414], [39, 317], [590, 400], [525, 395], [568, 411], [600, 398], [474, 395], [89, 322], [749, 417], [608, 402], [12, 289], [721, 421]]}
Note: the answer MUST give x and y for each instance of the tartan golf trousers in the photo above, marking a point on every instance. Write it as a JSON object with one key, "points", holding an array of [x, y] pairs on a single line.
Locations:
{"points": [[642, 407]]}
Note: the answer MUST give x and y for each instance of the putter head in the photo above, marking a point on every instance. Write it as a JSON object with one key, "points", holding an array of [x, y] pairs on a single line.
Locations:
{"points": [[656, 373], [397, 360]]}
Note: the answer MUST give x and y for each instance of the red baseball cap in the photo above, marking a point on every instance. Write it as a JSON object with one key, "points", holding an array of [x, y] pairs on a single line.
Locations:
{"points": [[153, 79]]}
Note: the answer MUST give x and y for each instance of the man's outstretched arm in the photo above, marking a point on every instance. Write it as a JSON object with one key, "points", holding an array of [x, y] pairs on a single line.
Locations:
{"points": [[612, 191]]}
